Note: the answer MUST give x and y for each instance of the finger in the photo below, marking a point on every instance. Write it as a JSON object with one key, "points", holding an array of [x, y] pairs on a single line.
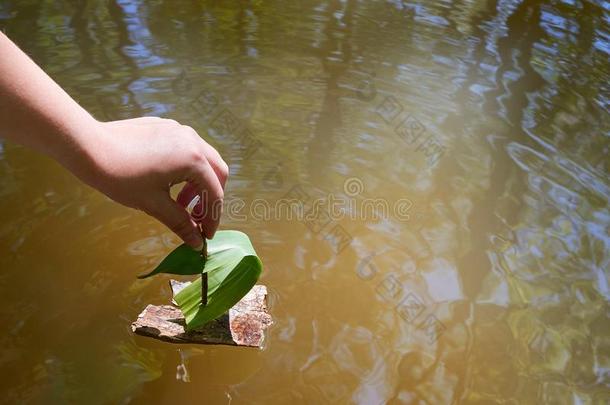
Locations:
{"points": [[185, 198], [187, 194], [207, 184], [213, 157], [218, 164], [199, 211], [175, 217]]}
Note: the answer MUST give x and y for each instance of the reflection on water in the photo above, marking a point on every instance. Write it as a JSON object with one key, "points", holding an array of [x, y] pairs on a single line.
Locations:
{"points": [[490, 117]]}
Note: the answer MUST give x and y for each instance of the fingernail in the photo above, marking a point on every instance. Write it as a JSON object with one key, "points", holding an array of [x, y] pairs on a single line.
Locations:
{"points": [[195, 242]]}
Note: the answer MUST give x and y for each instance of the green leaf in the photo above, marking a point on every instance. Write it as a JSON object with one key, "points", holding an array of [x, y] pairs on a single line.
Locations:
{"points": [[233, 268], [182, 260]]}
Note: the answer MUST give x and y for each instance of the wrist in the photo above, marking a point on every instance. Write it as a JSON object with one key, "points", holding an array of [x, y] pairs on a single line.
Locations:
{"points": [[82, 150]]}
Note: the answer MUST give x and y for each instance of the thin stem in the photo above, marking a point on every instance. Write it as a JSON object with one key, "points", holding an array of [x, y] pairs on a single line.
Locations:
{"points": [[204, 276], [204, 289]]}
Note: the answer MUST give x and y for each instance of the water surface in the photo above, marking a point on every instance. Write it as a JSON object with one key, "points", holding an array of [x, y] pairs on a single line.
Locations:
{"points": [[468, 144]]}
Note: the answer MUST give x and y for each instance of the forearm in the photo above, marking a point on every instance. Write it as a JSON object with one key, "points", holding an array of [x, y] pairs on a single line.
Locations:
{"points": [[36, 112]]}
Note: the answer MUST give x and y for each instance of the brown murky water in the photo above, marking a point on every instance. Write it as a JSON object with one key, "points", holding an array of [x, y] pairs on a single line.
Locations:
{"points": [[465, 146]]}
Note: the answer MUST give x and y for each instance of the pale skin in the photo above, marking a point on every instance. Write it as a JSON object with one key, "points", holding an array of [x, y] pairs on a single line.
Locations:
{"points": [[132, 161]]}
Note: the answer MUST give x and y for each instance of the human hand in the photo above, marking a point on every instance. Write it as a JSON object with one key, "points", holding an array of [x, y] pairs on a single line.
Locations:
{"points": [[133, 161], [136, 161]]}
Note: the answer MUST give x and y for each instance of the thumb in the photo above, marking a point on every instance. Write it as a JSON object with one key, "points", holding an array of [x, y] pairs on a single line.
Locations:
{"points": [[175, 217]]}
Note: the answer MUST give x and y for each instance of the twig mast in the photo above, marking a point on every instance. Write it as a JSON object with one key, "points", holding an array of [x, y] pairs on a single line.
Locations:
{"points": [[204, 276]]}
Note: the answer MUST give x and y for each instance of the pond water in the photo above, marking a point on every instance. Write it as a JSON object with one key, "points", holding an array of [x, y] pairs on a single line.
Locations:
{"points": [[453, 156]]}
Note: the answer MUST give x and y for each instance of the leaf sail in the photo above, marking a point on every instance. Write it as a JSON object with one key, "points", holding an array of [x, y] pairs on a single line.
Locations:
{"points": [[226, 292], [182, 260], [232, 266]]}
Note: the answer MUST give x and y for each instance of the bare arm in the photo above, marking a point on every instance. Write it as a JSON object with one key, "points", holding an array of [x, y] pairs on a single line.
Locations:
{"points": [[132, 161]]}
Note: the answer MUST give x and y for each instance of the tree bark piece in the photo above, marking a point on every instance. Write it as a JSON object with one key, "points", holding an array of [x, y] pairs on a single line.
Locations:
{"points": [[243, 325]]}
